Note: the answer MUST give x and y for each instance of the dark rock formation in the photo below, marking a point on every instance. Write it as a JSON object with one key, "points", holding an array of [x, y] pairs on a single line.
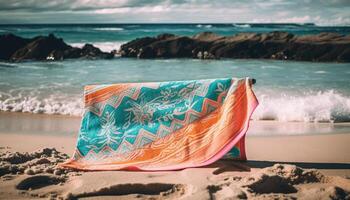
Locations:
{"points": [[324, 47], [9, 44], [14, 48]]}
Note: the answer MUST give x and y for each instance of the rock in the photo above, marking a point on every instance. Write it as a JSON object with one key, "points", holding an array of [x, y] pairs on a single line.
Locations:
{"points": [[170, 47], [89, 51], [10, 43], [207, 36], [323, 47], [40, 48], [165, 36], [51, 48]]}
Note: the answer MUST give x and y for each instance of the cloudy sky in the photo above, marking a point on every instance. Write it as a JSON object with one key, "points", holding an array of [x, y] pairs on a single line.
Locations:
{"points": [[322, 12]]}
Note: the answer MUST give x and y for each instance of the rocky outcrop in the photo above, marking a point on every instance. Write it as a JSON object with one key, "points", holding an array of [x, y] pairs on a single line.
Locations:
{"points": [[9, 44], [14, 48], [324, 47]]}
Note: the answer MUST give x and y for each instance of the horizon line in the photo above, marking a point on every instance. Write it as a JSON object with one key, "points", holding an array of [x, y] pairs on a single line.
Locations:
{"points": [[306, 23], [181, 23]]}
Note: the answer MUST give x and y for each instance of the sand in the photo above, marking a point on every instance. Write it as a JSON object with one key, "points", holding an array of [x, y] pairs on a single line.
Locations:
{"points": [[314, 166]]}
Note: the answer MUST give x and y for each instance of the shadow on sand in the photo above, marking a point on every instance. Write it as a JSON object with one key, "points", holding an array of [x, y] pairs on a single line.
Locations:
{"points": [[245, 166], [305, 165]]}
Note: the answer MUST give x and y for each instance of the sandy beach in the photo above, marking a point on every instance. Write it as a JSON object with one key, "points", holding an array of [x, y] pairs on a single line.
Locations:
{"points": [[297, 165]]}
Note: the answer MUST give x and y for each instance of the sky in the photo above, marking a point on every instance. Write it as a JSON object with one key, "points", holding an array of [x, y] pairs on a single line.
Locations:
{"points": [[321, 12]]}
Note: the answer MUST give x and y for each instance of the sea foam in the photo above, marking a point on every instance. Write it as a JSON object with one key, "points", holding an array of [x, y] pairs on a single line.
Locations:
{"points": [[53, 104], [327, 106]]}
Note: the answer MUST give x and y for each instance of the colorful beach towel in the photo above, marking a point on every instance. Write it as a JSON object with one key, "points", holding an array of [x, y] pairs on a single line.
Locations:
{"points": [[163, 125]]}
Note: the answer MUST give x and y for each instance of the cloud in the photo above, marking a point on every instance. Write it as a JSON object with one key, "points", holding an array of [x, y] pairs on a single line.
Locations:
{"points": [[204, 11]]}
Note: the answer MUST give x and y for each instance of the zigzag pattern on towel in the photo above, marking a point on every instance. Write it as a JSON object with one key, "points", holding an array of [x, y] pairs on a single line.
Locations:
{"points": [[109, 97], [106, 103]]}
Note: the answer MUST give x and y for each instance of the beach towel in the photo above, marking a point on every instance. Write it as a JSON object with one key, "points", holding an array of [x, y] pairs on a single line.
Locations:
{"points": [[163, 125]]}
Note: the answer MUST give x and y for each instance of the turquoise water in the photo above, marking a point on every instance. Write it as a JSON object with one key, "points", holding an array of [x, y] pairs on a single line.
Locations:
{"points": [[287, 91]]}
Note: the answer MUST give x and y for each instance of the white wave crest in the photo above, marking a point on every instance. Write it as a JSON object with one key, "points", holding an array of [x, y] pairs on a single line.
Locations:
{"points": [[205, 26], [104, 46], [109, 29], [320, 72], [53, 104], [241, 25], [328, 106]]}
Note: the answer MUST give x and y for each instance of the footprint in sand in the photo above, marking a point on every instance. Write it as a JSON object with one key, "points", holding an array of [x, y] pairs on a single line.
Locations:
{"points": [[281, 182], [151, 189], [37, 182]]}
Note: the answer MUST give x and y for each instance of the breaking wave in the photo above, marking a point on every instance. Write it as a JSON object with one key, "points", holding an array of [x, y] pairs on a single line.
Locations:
{"points": [[104, 46], [205, 26], [109, 29], [31, 101], [242, 25], [328, 106], [50, 105]]}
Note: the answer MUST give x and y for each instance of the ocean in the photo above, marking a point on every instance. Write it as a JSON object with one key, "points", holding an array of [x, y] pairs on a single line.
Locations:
{"points": [[288, 91]]}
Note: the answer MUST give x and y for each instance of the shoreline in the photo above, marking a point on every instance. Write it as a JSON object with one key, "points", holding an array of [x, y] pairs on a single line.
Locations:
{"points": [[69, 125]]}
